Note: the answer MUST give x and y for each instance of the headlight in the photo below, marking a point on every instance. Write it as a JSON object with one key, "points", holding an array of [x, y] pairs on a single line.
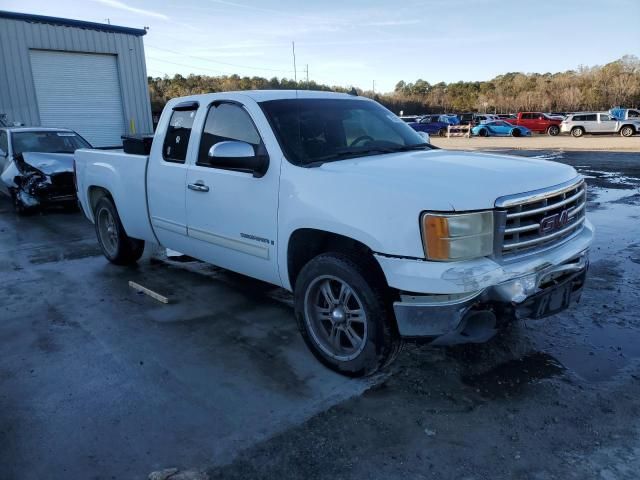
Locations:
{"points": [[457, 236]]}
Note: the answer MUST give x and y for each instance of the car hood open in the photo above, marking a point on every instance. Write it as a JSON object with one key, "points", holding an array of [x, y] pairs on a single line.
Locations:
{"points": [[49, 163]]}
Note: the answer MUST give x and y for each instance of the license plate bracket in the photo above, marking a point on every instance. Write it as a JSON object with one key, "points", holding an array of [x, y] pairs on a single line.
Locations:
{"points": [[554, 298]]}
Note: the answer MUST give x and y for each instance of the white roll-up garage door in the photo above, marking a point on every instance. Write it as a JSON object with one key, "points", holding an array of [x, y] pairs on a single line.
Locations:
{"points": [[79, 91]]}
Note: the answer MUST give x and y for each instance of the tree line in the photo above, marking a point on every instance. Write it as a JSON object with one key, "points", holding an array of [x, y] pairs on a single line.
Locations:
{"points": [[586, 88]]}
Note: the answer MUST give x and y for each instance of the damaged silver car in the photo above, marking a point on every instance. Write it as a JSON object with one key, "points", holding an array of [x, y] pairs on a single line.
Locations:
{"points": [[36, 166]]}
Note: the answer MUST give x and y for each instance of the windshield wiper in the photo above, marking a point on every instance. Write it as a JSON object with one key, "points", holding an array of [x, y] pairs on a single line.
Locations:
{"points": [[417, 146], [343, 154]]}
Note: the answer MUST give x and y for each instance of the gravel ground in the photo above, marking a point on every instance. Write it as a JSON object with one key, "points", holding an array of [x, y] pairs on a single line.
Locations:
{"points": [[609, 143]]}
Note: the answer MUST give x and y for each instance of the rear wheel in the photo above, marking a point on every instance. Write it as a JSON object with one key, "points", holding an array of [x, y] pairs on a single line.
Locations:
{"points": [[627, 131], [116, 245], [553, 130], [516, 132], [577, 131], [442, 132], [344, 315], [483, 132]]}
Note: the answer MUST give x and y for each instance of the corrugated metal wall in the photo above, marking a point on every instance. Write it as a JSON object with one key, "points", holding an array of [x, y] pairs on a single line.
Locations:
{"points": [[17, 90]]}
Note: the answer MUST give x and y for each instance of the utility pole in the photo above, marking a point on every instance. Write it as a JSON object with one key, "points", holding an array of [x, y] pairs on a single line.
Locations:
{"points": [[295, 73], [307, 68], [374, 87]]}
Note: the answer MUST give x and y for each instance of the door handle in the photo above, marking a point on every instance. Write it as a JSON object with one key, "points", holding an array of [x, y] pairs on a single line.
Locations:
{"points": [[199, 186]]}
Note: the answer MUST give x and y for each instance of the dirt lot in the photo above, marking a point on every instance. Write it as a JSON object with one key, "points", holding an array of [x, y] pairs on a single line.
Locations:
{"points": [[608, 143], [99, 382]]}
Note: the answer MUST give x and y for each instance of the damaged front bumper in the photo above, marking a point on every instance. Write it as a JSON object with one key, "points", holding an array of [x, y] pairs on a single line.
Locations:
{"points": [[466, 300], [43, 190], [472, 318]]}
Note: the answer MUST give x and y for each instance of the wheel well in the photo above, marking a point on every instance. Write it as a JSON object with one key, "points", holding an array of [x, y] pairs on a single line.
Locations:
{"points": [[95, 194], [628, 125], [307, 243]]}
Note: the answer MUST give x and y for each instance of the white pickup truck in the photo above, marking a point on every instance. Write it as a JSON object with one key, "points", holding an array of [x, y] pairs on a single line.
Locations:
{"points": [[379, 235]]}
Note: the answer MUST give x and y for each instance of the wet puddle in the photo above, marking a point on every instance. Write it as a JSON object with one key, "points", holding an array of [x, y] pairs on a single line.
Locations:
{"points": [[511, 378]]}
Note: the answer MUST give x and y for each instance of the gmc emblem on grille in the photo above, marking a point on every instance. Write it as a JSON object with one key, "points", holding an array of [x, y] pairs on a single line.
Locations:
{"points": [[554, 222]]}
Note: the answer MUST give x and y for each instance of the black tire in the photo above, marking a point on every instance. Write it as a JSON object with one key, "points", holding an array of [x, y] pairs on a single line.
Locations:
{"points": [[380, 343], [483, 132], [442, 132], [516, 132], [627, 131], [553, 130], [577, 132], [116, 245]]}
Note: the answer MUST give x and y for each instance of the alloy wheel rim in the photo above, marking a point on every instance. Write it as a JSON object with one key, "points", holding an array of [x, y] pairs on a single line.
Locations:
{"points": [[108, 231], [335, 318]]}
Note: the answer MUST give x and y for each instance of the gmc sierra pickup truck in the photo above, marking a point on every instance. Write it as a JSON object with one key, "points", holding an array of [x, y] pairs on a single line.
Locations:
{"points": [[537, 122], [379, 235]]}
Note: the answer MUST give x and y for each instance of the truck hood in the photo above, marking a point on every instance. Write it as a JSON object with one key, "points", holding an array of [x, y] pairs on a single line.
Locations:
{"points": [[453, 180], [49, 163]]}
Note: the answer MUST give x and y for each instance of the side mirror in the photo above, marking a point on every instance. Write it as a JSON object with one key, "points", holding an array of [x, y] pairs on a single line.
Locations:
{"points": [[239, 156], [425, 136]]}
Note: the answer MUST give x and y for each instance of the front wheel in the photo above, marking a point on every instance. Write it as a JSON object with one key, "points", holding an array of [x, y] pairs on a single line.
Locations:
{"points": [[344, 316], [116, 245], [627, 131], [442, 132], [553, 130], [516, 132], [483, 132]]}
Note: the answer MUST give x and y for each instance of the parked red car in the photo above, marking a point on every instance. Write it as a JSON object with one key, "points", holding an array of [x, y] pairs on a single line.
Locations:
{"points": [[537, 122]]}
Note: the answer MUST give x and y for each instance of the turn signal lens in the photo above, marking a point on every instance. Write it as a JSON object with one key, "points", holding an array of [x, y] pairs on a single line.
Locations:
{"points": [[436, 234], [457, 236]]}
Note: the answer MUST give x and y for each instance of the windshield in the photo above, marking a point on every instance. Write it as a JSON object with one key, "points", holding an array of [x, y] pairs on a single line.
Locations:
{"points": [[47, 141], [313, 131]]}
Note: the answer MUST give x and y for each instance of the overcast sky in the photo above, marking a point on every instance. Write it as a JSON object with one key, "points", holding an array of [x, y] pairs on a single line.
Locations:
{"points": [[354, 42]]}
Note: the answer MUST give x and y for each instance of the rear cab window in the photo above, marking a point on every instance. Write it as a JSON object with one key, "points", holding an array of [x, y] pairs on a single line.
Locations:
{"points": [[176, 140]]}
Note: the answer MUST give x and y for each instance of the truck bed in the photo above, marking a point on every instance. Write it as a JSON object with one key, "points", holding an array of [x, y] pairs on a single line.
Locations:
{"points": [[123, 175]]}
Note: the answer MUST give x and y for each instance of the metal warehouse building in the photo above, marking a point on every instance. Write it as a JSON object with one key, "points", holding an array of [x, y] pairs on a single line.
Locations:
{"points": [[89, 77]]}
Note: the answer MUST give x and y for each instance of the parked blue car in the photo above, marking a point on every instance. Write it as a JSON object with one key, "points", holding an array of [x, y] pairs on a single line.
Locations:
{"points": [[500, 128], [431, 124]]}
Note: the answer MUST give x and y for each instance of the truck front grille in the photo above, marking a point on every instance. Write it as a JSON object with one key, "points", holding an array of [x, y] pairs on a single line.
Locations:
{"points": [[539, 220]]}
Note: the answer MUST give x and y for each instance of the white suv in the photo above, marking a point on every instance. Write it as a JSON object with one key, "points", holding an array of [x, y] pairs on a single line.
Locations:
{"points": [[578, 124]]}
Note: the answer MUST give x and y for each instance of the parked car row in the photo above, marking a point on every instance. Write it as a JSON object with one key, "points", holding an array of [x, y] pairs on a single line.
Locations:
{"points": [[625, 122]]}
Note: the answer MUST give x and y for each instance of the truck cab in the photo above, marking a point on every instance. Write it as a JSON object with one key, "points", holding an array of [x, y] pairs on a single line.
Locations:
{"points": [[379, 235]]}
